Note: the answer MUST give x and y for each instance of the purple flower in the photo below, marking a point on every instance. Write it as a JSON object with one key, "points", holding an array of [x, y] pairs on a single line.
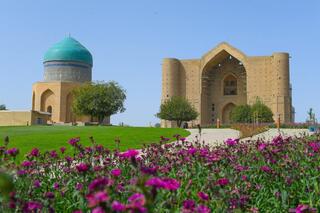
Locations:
{"points": [[117, 206], [36, 184], [262, 146], [203, 196], [116, 172], [34, 152], [315, 146], [56, 186], [231, 142], [189, 204], [303, 208], [26, 163], [74, 141], [79, 186], [165, 183], [183, 139], [192, 151], [202, 209], [12, 152], [99, 184], [137, 202], [149, 170], [82, 167], [32, 206], [62, 149], [223, 181], [98, 210], [53, 154], [131, 153], [49, 195], [95, 199], [266, 169], [21, 172]]}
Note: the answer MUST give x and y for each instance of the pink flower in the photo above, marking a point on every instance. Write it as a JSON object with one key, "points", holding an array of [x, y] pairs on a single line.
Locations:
{"points": [[82, 167], [189, 204], [303, 208], [53, 154], [131, 153], [315, 146], [36, 184], [99, 184], [116, 172], [74, 141], [62, 149], [95, 199], [12, 152], [98, 210], [117, 206], [231, 142], [192, 151], [266, 169], [165, 183], [223, 181], [203, 196], [26, 163], [171, 184], [262, 146], [34, 152], [202, 209], [56, 186], [79, 186], [137, 202], [32, 206], [49, 195]]}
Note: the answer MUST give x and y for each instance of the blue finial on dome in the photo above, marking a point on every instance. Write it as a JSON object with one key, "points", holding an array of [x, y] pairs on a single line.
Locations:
{"points": [[68, 49]]}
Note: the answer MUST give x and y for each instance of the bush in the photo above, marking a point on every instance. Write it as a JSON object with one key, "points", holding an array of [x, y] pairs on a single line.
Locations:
{"points": [[177, 109], [241, 114], [252, 176]]}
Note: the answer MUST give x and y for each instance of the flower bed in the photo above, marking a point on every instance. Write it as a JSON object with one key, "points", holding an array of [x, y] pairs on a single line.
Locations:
{"points": [[281, 175]]}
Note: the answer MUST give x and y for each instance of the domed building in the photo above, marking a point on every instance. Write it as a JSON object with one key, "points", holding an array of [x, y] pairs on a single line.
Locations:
{"points": [[67, 65]]}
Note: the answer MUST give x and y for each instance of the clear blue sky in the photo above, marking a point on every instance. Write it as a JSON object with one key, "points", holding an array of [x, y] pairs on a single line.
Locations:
{"points": [[128, 40]]}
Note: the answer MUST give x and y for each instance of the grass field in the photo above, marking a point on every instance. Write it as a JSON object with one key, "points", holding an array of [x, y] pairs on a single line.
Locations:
{"points": [[53, 137]]}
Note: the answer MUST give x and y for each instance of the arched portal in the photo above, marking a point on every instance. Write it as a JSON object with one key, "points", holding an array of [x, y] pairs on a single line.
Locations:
{"points": [[223, 81], [69, 114], [226, 113], [47, 101]]}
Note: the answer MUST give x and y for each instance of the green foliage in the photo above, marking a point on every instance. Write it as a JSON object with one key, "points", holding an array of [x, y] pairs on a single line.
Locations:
{"points": [[2, 107], [258, 112], [261, 113], [241, 114], [177, 109], [99, 99]]}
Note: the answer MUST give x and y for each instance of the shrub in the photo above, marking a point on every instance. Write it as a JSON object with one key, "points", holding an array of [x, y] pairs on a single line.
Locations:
{"points": [[241, 114], [177, 109]]}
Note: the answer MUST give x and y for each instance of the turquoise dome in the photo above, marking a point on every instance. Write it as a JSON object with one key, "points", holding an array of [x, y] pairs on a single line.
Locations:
{"points": [[68, 49]]}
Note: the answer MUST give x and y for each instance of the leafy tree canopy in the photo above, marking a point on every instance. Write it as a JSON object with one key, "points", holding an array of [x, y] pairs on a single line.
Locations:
{"points": [[99, 99], [177, 109], [2, 107]]}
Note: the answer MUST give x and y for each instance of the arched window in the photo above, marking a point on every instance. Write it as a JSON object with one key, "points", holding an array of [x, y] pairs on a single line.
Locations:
{"points": [[230, 85], [49, 109]]}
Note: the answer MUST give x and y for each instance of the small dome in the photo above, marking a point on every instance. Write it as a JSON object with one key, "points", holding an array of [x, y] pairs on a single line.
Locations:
{"points": [[68, 49]]}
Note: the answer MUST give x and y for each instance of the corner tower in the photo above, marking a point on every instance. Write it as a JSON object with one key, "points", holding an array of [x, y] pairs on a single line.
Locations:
{"points": [[67, 65]]}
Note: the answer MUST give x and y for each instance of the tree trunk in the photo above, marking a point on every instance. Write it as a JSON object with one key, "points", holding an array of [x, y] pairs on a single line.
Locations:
{"points": [[100, 119], [179, 123]]}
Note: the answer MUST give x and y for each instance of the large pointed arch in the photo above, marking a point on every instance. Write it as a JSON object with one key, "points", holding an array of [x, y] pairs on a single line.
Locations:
{"points": [[47, 99]]}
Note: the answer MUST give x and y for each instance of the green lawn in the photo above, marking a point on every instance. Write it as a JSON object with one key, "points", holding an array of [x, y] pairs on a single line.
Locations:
{"points": [[54, 137]]}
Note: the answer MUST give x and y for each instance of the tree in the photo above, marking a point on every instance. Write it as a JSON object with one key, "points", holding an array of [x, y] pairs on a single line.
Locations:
{"points": [[99, 99], [261, 113], [241, 114], [2, 107], [177, 109]]}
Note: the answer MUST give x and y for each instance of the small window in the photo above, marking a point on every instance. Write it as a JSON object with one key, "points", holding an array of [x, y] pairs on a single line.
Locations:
{"points": [[230, 85]]}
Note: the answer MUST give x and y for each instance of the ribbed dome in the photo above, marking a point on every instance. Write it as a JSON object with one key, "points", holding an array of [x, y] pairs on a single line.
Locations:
{"points": [[68, 49]]}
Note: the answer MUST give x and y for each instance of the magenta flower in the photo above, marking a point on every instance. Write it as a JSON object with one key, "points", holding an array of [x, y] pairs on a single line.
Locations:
{"points": [[131, 153], [203, 196], [192, 151], [99, 184], [165, 183], [34, 152], [315, 146], [26, 163], [189, 204], [12, 152], [62, 149], [53, 154], [262, 146], [98, 210], [116, 172], [79, 186], [171, 184], [36, 184], [74, 141], [32, 206], [182, 139], [266, 169], [82, 167], [95, 199], [223, 181], [137, 202], [303, 208], [118, 207], [49, 195], [56, 186], [21, 172], [202, 209], [232, 142]]}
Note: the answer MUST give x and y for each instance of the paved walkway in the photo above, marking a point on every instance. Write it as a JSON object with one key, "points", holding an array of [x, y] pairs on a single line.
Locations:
{"points": [[218, 136]]}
